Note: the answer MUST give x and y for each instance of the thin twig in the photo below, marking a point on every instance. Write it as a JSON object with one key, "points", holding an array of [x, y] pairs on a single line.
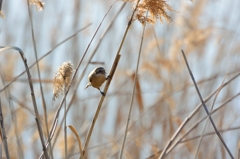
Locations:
{"points": [[133, 92], [210, 133], [205, 107], [39, 77], [4, 138], [37, 117]]}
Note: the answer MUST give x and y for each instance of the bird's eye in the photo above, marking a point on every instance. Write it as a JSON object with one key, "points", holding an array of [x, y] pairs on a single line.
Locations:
{"points": [[100, 71]]}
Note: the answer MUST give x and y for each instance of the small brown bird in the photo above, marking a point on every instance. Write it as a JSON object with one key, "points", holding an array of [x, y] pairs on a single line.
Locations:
{"points": [[96, 78]]}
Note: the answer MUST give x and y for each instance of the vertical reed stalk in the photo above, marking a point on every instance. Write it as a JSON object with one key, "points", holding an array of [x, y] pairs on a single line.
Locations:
{"points": [[39, 76], [3, 134], [65, 123], [133, 92]]}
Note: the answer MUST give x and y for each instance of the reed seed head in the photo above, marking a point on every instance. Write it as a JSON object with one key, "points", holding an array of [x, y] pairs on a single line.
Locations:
{"points": [[62, 78], [156, 9]]}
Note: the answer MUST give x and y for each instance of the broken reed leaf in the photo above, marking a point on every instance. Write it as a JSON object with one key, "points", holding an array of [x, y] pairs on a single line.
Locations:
{"points": [[62, 77], [157, 10], [38, 4]]}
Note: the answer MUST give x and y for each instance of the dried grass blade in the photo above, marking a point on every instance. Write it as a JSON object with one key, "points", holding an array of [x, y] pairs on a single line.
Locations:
{"points": [[78, 138]]}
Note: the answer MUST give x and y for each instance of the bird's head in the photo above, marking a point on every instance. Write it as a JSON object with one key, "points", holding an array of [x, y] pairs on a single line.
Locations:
{"points": [[100, 70]]}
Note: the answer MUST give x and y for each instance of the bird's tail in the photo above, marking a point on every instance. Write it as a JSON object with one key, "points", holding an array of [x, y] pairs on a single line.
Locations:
{"points": [[89, 84]]}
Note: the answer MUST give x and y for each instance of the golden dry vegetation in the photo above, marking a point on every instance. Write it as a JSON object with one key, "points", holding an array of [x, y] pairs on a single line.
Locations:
{"points": [[155, 92]]}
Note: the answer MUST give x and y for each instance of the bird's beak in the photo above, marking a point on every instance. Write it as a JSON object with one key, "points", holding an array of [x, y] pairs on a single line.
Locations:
{"points": [[89, 84]]}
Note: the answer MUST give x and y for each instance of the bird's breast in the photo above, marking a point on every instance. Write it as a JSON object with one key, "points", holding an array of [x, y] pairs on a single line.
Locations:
{"points": [[98, 80]]}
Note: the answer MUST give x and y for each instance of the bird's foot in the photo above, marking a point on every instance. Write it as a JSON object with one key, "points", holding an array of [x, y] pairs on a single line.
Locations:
{"points": [[108, 77], [103, 94]]}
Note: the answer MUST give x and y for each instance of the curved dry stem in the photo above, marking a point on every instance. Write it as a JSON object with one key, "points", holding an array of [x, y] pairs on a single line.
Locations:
{"points": [[78, 138], [37, 117]]}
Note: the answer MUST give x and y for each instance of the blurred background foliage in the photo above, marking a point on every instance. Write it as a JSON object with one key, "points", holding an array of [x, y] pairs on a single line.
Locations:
{"points": [[208, 32]]}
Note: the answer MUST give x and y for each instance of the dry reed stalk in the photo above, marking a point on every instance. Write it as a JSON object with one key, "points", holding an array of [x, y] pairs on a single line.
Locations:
{"points": [[114, 67], [138, 94], [117, 58], [191, 115], [133, 91], [84, 70], [14, 119], [209, 133], [55, 121], [196, 124], [65, 124], [37, 116], [3, 134], [206, 123], [41, 4], [46, 54], [238, 153], [1, 12], [205, 107]]}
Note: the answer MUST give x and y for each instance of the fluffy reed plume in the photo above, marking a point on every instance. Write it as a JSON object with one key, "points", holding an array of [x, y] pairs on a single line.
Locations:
{"points": [[157, 9], [62, 77], [38, 4]]}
